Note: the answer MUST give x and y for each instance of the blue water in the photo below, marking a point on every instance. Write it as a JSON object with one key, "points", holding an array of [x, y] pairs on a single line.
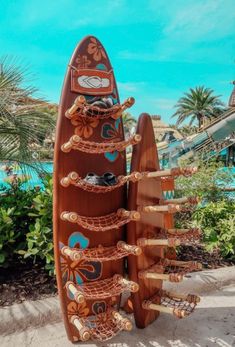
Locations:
{"points": [[35, 179]]}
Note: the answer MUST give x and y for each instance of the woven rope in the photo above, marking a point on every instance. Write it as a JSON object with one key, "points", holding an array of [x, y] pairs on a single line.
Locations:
{"points": [[111, 221], [102, 254], [106, 288], [101, 113], [83, 109], [103, 326], [176, 272], [192, 236], [121, 180], [180, 306], [103, 147]]}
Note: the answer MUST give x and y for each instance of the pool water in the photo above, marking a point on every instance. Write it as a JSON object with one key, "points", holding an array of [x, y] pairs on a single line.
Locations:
{"points": [[35, 179]]}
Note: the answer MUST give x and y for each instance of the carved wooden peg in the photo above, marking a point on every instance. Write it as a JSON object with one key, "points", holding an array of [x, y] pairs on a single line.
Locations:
{"points": [[160, 276], [78, 295], [179, 313], [170, 242], [71, 178], [127, 325], [69, 216], [132, 249], [79, 102], [133, 286], [73, 141], [83, 331], [133, 215], [171, 208], [73, 254]]}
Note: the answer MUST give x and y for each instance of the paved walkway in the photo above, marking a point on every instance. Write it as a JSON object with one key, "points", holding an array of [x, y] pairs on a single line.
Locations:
{"points": [[212, 324]]}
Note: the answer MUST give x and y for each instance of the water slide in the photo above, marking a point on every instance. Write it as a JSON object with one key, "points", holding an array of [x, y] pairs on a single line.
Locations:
{"points": [[217, 136]]}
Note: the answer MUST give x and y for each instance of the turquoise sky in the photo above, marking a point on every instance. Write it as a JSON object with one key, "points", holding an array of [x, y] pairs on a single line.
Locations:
{"points": [[158, 48]]}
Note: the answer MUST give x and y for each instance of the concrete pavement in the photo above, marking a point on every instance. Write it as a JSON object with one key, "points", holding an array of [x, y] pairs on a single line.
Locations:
{"points": [[212, 324]]}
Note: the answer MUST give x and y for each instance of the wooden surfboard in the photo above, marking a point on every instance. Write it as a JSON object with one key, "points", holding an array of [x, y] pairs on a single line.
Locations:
{"points": [[155, 232], [144, 192], [90, 75]]}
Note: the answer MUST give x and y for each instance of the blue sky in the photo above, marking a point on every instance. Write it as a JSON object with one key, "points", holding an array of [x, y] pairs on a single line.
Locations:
{"points": [[159, 49]]}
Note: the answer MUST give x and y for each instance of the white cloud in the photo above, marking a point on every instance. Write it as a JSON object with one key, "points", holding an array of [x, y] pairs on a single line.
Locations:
{"points": [[131, 86], [202, 19], [164, 103]]}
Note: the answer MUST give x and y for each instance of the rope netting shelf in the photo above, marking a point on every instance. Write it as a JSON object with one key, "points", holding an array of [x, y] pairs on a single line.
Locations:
{"points": [[169, 270], [77, 143], [172, 238], [81, 108], [102, 289], [102, 326], [179, 305], [110, 221], [73, 178], [101, 253]]}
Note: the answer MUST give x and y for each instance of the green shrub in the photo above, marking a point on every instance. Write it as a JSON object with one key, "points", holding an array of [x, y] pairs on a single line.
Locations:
{"points": [[207, 183], [26, 224], [217, 220], [215, 215], [39, 238], [16, 204]]}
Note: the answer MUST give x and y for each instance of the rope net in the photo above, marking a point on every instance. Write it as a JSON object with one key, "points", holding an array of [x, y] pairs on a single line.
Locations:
{"points": [[74, 179], [91, 147], [191, 236], [104, 326], [83, 109], [181, 306], [175, 269], [113, 220], [106, 288], [102, 254]]}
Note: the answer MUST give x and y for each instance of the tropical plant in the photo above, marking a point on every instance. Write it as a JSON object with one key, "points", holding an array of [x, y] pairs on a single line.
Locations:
{"points": [[188, 130], [129, 122], [199, 104], [16, 203], [217, 220], [39, 238], [208, 183], [22, 123]]}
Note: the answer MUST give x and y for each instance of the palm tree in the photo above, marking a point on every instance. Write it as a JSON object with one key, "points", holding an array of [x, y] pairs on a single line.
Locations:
{"points": [[129, 122], [198, 104], [22, 123]]}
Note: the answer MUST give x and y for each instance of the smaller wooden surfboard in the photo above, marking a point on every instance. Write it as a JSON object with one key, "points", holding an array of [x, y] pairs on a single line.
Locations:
{"points": [[143, 193]]}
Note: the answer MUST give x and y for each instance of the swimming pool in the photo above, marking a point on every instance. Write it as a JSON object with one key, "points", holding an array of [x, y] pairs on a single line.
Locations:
{"points": [[35, 179]]}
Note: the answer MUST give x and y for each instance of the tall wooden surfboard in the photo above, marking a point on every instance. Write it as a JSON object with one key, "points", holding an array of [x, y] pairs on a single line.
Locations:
{"points": [[89, 74]]}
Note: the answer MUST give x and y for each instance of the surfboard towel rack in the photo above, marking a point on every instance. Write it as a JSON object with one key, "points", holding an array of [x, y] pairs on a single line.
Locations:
{"points": [[81, 108], [102, 326], [102, 254], [176, 304], [101, 289], [74, 179], [90, 249], [103, 223], [76, 143]]}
